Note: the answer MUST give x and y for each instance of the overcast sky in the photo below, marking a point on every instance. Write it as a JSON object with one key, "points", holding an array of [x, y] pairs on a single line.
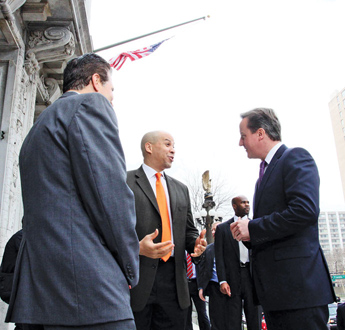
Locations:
{"points": [[286, 55]]}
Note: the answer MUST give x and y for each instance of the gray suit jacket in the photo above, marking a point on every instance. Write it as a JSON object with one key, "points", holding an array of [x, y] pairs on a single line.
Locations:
{"points": [[79, 250], [148, 219]]}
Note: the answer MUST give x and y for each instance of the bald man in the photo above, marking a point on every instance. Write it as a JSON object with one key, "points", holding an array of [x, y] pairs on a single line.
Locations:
{"points": [[161, 299], [232, 263]]}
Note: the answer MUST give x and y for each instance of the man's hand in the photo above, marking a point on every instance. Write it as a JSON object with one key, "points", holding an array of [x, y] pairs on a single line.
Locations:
{"points": [[154, 250], [239, 230], [225, 289], [201, 295], [200, 245]]}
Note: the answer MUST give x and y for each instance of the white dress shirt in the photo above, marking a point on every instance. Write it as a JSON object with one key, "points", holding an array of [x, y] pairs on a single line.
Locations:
{"points": [[244, 255]]}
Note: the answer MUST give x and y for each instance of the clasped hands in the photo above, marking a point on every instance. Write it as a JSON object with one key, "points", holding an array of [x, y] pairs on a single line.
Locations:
{"points": [[158, 250], [239, 230]]}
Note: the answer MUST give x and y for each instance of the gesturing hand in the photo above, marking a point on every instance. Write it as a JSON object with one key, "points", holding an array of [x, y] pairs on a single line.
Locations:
{"points": [[154, 250], [200, 245]]}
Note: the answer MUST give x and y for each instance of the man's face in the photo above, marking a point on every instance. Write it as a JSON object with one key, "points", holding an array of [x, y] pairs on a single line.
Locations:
{"points": [[241, 206], [163, 152], [213, 229], [248, 140], [107, 88]]}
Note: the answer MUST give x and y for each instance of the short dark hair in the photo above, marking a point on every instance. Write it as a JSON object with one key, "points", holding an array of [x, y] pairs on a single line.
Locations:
{"points": [[264, 118], [80, 70]]}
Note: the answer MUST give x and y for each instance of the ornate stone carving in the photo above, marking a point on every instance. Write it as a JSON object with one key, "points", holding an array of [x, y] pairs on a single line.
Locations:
{"points": [[10, 6], [31, 66], [55, 43], [48, 91], [53, 89]]}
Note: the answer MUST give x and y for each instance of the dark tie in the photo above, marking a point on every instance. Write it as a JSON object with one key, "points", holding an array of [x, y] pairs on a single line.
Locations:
{"points": [[189, 266], [263, 165]]}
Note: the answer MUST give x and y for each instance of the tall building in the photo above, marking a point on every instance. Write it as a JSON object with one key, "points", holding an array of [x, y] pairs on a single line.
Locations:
{"points": [[332, 230], [337, 112]]}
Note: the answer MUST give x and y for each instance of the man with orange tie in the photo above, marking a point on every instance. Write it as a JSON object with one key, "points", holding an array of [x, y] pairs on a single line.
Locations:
{"points": [[165, 229]]}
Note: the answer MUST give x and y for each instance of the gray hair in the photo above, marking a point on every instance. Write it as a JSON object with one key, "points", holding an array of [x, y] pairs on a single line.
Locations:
{"points": [[264, 118]]}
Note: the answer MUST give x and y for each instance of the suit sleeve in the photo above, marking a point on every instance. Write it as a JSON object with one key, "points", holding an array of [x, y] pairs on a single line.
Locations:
{"points": [[219, 254], [295, 205], [99, 169], [191, 232]]}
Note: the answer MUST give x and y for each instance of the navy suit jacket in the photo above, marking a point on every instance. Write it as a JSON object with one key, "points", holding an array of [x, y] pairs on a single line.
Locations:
{"points": [[205, 269], [79, 251], [148, 219], [289, 268]]}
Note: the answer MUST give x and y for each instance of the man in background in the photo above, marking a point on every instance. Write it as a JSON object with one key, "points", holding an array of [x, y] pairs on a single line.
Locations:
{"points": [[79, 252], [233, 270], [200, 304], [165, 228], [341, 316], [209, 286], [290, 272]]}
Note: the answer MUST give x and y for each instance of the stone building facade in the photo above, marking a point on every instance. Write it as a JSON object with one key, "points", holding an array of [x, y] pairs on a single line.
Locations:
{"points": [[37, 38]]}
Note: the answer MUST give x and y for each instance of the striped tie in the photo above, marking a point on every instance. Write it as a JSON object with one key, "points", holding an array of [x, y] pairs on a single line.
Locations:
{"points": [[189, 266]]}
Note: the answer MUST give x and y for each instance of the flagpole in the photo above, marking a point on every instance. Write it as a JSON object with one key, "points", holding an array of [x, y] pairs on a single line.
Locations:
{"points": [[148, 34]]}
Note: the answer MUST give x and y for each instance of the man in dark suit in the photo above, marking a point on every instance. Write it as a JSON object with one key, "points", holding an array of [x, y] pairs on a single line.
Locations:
{"points": [[341, 316], [79, 254], [209, 286], [233, 270], [290, 272], [200, 304], [161, 299]]}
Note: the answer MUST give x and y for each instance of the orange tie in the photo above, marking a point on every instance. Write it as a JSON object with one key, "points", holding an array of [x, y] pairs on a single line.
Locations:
{"points": [[163, 209]]}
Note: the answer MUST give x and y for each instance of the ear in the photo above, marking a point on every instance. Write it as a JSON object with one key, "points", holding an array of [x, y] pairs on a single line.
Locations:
{"points": [[148, 147], [96, 82], [261, 133]]}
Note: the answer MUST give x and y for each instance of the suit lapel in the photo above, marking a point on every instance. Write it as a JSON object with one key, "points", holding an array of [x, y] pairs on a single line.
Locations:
{"points": [[172, 195], [145, 186], [269, 170]]}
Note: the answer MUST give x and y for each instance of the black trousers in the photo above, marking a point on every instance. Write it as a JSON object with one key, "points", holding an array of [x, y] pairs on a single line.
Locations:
{"points": [[234, 305], [314, 318], [216, 305], [162, 311], [200, 305]]}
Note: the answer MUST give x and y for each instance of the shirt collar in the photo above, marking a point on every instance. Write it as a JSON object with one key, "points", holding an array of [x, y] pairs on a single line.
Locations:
{"points": [[272, 152], [150, 172], [236, 217]]}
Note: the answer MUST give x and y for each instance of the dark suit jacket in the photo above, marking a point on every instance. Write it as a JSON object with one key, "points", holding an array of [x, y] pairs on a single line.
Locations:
{"points": [[205, 269], [79, 250], [289, 268], [228, 257], [148, 219]]}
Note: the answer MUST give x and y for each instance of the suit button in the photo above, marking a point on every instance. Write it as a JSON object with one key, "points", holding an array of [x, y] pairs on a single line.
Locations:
{"points": [[154, 266]]}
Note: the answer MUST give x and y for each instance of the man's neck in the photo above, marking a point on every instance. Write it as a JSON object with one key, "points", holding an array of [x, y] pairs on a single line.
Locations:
{"points": [[270, 145]]}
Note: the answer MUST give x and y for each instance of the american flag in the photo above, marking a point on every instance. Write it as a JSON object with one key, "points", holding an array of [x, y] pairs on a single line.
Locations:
{"points": [[117, 62]]}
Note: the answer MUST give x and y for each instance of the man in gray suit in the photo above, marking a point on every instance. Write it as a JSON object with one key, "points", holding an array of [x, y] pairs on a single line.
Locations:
{"points": [[161, 299], [79, 253]]}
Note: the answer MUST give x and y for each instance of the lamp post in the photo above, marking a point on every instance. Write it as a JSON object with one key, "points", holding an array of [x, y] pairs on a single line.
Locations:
{"points": [[208, 205], [207, 214]]}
